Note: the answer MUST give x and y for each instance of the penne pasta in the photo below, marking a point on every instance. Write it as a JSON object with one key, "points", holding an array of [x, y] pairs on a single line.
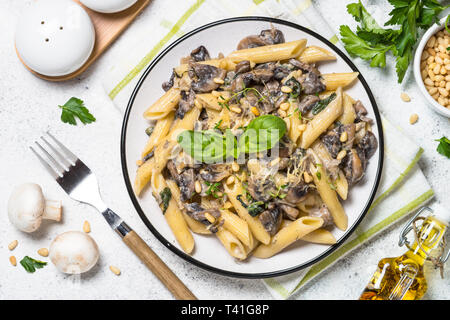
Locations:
{"points": [[209, 101], [342, 185], [173, 215], [336, 80], [315, 54], [194, 225], [288, 235], [163, 105], [143, 175], [238, 227], [160, 131], [348, 115], [276, 52], [322, 121], [234, 247], [253, 222], [329, 196], [320, 236]]}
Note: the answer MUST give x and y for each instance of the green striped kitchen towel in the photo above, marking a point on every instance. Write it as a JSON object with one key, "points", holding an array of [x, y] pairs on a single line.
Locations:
{"points": [[170, 19]]}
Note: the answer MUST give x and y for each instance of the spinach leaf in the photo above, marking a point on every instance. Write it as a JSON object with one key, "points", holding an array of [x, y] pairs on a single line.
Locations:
{"points": [[165, 195], [255, 208], [322, 104], [295, 86], [30, 264]]}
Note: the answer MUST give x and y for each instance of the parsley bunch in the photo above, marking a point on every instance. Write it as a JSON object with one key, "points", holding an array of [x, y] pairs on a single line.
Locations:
{"points": [[371, 42]]}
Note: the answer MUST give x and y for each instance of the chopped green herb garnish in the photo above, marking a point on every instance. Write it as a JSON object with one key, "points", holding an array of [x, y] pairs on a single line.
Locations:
{"points": [[318, 175], [444, 146], [255, 208], [30, 264], [322, 104], [165, 195], [75, 108], [213, 188], [217, 126]]}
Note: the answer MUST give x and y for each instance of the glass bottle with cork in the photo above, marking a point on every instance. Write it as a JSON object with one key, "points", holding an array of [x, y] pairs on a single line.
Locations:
{"points": [[402, 278]]}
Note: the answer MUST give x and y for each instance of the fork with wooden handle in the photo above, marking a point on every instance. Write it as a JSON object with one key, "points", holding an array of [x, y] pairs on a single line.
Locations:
{"points": [[81, 184]]}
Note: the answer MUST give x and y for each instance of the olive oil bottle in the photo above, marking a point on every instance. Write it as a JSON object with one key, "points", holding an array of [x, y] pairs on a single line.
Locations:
{"points": [[402, 278]]}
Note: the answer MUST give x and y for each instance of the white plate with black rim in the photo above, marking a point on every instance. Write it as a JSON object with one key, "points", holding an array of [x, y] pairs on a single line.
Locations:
{"points": [[222, 37]]}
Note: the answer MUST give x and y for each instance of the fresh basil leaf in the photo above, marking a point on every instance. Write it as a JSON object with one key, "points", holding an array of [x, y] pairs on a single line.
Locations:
{"points": [[444, 146], [205, 146], [322, 104], [262, 134], [30, 264]]}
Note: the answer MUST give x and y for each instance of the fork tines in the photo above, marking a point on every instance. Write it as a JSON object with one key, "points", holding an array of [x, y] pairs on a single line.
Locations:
{"points": [[64, 157]]}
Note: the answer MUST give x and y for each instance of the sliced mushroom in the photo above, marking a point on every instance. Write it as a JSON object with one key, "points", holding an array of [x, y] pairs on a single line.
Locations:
{"points": [[307, 102], [169, 84], [323, 213], [289, 212], [200, 54], [297, 193], [261, 187], [243, 67], [368, 144], [361, 112], [203, 75], [186, 103], [352, 167], [312, 83], [332, 142], [273, 97], [197, 212], [215, 172], [184, 180], [266, 37], [271, 218]]}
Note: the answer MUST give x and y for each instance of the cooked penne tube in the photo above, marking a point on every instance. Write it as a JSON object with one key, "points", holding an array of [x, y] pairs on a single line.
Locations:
{"points": [[275, 52], [342, 185], [336, 80], [194, 225], [329, 196], [172, 213], [163, 105], [160, 130], [286, 236], [320, 236], [237, 226], [234, 247], [253, 222], [143, 175], [209, 101], [294, 123], [315, 54], [348, 115], [320, 123]]}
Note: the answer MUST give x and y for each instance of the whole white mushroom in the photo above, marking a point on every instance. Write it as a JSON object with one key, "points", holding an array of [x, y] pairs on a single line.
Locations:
{"points": [[27, 207], [74, 252]]}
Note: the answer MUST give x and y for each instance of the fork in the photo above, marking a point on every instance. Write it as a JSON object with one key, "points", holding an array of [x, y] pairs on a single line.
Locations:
{"points": [[81, 184]]}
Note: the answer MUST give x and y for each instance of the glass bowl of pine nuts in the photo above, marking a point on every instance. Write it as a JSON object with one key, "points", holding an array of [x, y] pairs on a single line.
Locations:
{"points": [[432, 67]]}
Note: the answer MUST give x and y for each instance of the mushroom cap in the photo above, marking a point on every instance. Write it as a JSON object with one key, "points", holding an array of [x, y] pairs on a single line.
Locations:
{"points": [[74, 252], [26, 207]]}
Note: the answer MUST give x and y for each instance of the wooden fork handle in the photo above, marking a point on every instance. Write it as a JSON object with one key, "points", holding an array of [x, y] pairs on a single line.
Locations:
{"points": [[157, 266]]}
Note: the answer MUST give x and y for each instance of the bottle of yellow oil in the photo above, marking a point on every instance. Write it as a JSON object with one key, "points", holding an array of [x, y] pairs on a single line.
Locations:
{"points": [[402, 278]]}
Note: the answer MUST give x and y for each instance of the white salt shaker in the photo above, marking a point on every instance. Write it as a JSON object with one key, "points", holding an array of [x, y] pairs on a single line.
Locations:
{"points": [[54, 37], [108, 6]]}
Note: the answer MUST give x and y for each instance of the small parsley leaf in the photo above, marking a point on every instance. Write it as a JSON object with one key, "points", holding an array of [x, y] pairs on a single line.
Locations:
{"points": [[74, 108], [444, 147]]}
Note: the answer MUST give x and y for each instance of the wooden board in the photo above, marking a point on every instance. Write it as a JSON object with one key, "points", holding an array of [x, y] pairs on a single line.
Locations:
{"points": [[107, 28]]}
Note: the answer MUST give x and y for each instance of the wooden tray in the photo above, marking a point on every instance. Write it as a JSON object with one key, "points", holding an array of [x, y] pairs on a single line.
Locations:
{"points": [[107, 28]]}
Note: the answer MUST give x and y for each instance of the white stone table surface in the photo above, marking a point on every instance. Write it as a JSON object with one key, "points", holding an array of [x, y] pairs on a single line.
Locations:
{"points": [[29, 106]]}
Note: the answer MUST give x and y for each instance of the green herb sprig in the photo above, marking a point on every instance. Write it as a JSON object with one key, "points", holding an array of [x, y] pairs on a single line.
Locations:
{"points": [[371, 42], [30, 264]]}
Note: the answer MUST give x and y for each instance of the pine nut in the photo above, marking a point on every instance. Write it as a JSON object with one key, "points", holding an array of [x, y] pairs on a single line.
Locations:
{"points": [[413, 118], [429, 82], [13, 260], [307, 177], [86, 226], [405, 97], [282, 113], [236, 109], [218, 81], [344, 136], [443, 92], [115, 270], [230, 180], [341, 155], [13, 245], [198, 186], [255, 111], [433, 90], [43, 252], [431, 51], [431, 42], [284, 106], [235, 167], [286, 89]]}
